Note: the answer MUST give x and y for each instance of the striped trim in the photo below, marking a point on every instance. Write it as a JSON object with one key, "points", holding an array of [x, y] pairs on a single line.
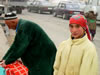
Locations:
{"points": [[9, 18]]}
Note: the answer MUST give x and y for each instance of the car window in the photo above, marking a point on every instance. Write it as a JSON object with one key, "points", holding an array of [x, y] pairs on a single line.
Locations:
{"points": [[2, 8], [72, 6], [63, 5], [90, 1], [34, 3], [37, 3], [45, 3], [59, 5]]}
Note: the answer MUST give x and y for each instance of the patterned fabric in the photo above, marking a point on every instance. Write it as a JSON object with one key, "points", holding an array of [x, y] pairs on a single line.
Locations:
{"points": [[16, 68], [91, 20], [93, 31]]}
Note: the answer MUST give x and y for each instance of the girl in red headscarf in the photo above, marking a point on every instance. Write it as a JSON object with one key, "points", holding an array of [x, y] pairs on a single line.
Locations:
{"points": [[77, 55]]}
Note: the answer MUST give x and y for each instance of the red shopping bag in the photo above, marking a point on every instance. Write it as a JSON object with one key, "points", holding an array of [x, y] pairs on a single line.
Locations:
{"points": [[16, 68]]}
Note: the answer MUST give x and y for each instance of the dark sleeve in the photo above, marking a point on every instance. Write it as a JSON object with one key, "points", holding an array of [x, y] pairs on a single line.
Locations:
{"points": [[53, 59], [18, 47]]}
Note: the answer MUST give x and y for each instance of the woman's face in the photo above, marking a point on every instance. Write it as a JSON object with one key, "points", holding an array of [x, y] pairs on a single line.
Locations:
{"points": [[76, 31]]}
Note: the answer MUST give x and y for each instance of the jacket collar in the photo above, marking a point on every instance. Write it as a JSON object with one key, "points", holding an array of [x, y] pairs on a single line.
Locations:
{"points": [[78, 41]]}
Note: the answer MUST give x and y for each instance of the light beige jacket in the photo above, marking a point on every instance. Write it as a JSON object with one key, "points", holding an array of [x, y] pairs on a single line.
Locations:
{"points": [[76, 57]]}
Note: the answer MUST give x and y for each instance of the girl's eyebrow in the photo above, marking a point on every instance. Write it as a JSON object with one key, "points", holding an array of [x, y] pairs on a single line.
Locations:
{"points": [[70, 24], [78, 24]]}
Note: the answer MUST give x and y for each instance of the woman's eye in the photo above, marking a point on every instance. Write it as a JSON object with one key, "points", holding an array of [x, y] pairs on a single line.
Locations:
{"points": [[70, 26], [77, 26]]}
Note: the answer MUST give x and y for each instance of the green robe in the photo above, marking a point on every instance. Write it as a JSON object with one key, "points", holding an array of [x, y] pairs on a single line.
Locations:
{"points": [[34, 47]]}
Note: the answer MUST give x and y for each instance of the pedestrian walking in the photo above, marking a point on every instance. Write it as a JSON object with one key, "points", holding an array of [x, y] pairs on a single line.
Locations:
{"points": [[36, 50], [91, 21], [77, 55]]}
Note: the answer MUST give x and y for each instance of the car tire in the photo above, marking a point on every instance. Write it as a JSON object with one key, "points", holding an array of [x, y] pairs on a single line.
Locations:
{"points": [[64, 16], [54, 14], [39, 11], [50, 12], [29, 10]]}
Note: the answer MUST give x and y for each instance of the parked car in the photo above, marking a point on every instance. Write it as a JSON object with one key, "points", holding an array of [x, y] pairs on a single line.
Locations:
{"points": [[67, 9], [41, 6]]}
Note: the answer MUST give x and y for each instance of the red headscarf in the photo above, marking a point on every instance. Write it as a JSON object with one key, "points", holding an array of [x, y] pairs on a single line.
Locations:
{"points": [[80, 20]]}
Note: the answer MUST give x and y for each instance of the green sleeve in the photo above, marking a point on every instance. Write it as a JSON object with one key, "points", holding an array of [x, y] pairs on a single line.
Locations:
{"points": [[18, 47]]}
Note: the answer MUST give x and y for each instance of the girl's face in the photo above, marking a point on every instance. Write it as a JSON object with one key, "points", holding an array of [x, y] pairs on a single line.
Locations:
{"points": [[76, 31]]}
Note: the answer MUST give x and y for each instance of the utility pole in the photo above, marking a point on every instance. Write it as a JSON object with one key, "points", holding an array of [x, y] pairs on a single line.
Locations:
{"points": [[6, 6], [1, 1]]}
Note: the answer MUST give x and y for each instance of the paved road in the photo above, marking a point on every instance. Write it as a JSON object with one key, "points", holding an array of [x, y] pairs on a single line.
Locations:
{"points": [[3, 43], [57, 28]]}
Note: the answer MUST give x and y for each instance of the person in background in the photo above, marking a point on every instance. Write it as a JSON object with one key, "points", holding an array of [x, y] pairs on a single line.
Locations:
{"points": [[91, 22], [77, 55], [36, 50]]}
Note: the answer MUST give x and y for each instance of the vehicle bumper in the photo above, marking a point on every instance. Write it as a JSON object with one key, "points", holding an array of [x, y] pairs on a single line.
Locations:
{"points": [[75, 13], [46, 10], [98, 22]]}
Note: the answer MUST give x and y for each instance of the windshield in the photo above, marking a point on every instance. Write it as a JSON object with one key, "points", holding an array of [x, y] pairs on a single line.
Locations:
{"points": [[72, 6], [45, 3]]}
